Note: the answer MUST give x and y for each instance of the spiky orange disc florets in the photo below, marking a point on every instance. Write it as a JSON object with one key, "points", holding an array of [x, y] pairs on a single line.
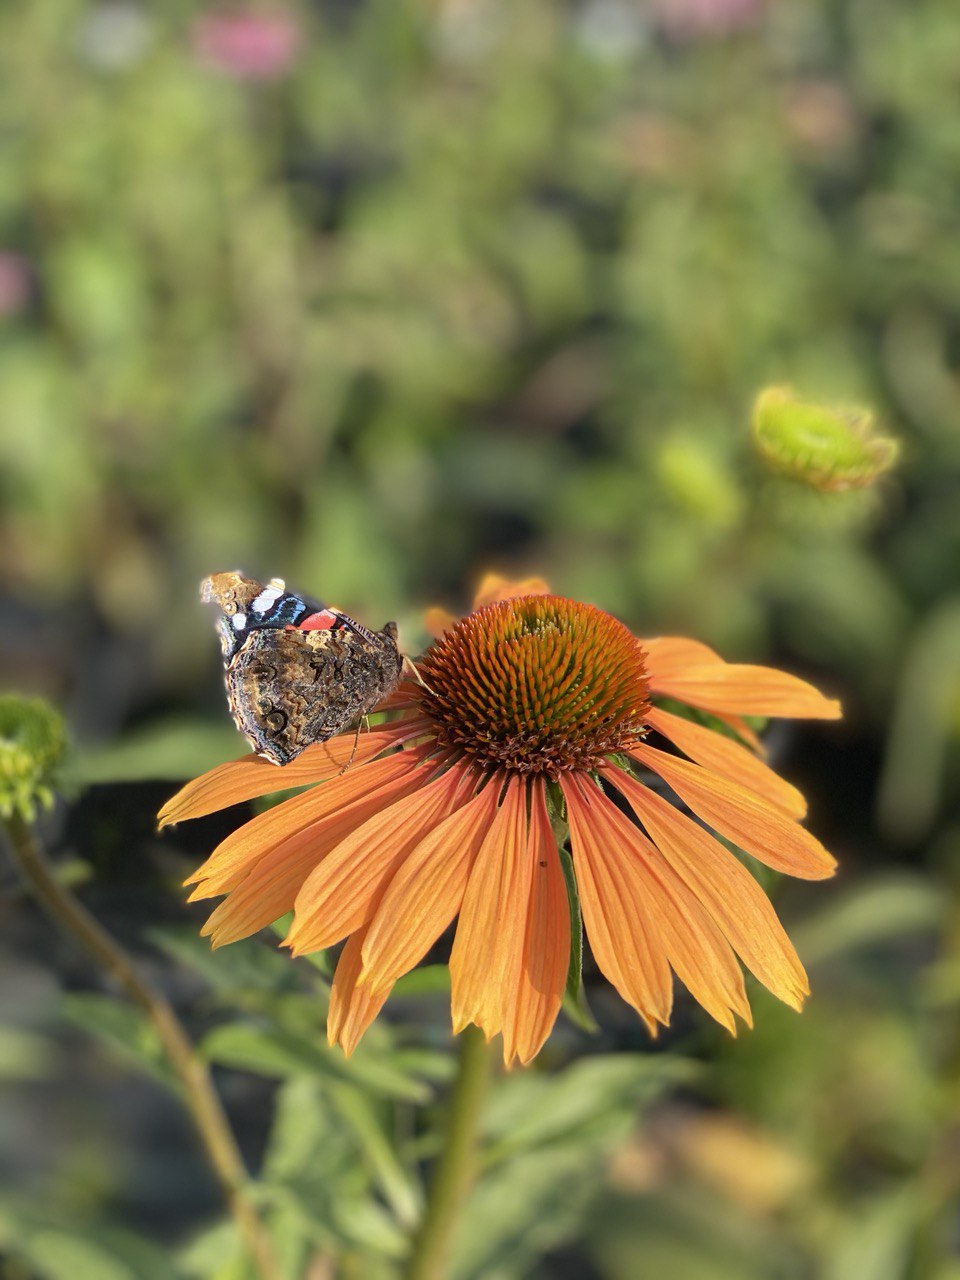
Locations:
{"points": [[538, 684]]}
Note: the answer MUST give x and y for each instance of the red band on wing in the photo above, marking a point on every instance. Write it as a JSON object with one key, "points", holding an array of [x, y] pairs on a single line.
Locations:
{"points": [[321, 621]]}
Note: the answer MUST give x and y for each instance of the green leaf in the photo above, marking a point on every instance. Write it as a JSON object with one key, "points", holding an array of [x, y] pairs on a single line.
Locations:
{"points": [[428, 1064], [868, 914], [265, 1051], [400, 1190], [428, 980], [58, 1246], [123, 1028], [574, 998], [369, 1226], [303, 1124], [175, 749], [24, 1055], [877, 1241], [319, 960], [530, 1205], [533, 1110], [217, 1254], [280, 1053], [246, 965]]}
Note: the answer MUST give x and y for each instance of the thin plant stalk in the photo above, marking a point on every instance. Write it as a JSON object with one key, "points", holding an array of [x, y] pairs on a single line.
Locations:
{"points": [[200, 1096], [455, 1168]]}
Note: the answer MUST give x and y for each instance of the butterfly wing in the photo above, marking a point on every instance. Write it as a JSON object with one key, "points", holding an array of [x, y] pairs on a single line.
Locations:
{"points": [[290, 688]]}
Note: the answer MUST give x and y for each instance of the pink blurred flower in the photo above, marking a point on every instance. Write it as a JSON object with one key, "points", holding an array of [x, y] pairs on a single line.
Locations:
{"points": [[689, 19], [16, 282], [248, 45]]}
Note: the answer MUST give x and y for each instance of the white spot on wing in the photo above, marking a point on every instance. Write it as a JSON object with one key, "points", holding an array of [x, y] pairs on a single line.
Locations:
{"points": [[239, 621], [265, 600]]}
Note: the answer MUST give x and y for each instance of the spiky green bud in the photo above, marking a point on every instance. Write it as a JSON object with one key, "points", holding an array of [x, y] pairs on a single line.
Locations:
{"points": [[828, 448], [32, 741]]}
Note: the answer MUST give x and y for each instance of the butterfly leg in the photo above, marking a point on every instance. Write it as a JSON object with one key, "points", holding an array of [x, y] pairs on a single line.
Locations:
{"points": [[410, 667], [362, 723]]}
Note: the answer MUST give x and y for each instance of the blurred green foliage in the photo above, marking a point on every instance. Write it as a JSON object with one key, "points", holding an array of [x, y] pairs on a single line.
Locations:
{"points": [[465, 285], [455, 284]]}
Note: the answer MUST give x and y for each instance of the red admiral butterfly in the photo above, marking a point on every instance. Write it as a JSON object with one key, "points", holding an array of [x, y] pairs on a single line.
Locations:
{"points": [[297, 672]]}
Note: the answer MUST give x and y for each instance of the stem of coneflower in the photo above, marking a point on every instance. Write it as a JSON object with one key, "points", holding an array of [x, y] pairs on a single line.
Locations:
{"points": [[201, 1097], [454, 1171]]}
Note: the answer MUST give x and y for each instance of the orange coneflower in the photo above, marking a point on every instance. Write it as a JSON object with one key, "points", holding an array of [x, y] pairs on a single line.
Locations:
{"points": [[530, 705]]}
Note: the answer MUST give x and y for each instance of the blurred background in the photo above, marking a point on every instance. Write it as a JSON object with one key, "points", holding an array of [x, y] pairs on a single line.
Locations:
{"points": [[379, 295]]}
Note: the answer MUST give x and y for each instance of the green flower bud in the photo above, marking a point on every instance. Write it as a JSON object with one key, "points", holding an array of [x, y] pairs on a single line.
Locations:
{"points": [[828, 449], [32, 741], [699, 482]]}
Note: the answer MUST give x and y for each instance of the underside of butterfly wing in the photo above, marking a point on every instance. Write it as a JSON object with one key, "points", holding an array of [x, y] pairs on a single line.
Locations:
{"points": [[289, 688]]}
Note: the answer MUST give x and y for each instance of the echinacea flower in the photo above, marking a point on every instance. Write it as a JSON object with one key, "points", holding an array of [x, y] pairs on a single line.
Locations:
{"points": [[532, 705]]}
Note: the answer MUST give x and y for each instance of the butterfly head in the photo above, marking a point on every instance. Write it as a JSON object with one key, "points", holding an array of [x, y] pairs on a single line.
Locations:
{"points": [[244, 604]]}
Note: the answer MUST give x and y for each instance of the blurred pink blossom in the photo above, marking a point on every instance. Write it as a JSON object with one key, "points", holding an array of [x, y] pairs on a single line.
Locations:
{"points": [[688, 19], [248, 45], [16, 283]]}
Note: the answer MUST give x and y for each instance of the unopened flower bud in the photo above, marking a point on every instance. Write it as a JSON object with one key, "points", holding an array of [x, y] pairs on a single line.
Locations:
{"points": [[32, 741], [827, 448]]}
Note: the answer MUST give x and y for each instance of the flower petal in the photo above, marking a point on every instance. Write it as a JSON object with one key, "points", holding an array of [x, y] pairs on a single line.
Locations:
{"points": [[264, 887], [723, 756], [488, 948], [694, 945], [726, 889], [693, 673], [426, 893], [342, 893], [744, 732], [436, 621], [353, 1006], [493, 588], [623, 937], [252, 776], [737, 814], [234, 856], [531, 1006], [671, 655]]}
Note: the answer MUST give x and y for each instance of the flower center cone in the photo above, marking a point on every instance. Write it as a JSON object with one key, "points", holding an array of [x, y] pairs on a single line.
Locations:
{"points": [[539, 684]]}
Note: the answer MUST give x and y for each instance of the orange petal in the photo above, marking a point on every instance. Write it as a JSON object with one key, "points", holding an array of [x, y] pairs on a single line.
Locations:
{"points": [[266, 885], [744, 732], [436, 621], [426, 893], [692, 673], [531, 1007], [723, 756], [488, 947], [726, 889], [693, 943], [668, 656], [233, 857], [493, 588], [737, 814], [352, 1006], [252, 776], [342, 893], [614, 898]]}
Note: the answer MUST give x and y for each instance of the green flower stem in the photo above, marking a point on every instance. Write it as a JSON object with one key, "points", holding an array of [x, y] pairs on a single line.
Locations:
{"points": [[454, 1171], [201, 1097]]}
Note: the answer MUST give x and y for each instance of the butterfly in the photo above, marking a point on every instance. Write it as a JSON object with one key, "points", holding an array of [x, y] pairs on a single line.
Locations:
{"points": [[297, 672]]}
